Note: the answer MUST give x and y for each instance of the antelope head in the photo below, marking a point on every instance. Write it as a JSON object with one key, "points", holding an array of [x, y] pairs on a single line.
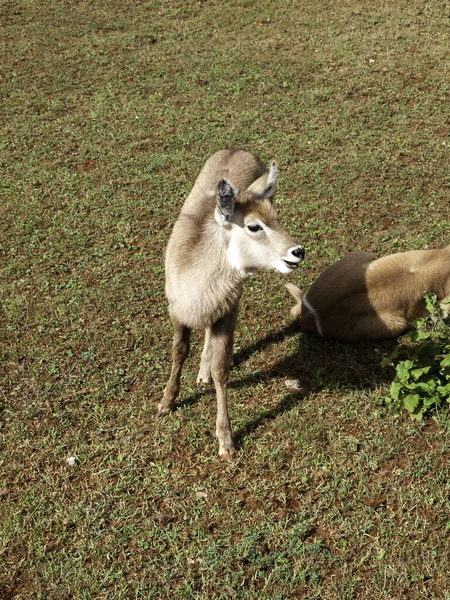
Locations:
{"points": [[255, 238]]}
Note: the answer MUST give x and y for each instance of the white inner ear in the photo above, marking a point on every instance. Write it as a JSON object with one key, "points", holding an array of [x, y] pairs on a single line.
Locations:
{"points": [[272, 175], [221, 219]]}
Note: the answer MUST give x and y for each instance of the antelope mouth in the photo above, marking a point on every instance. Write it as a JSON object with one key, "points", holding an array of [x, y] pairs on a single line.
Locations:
{"points": [[289, 264]]}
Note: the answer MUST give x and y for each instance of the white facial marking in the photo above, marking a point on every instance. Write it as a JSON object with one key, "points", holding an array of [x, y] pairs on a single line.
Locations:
{"points": [[291, 261], [248, 248], [234, 254], [252, 245]]}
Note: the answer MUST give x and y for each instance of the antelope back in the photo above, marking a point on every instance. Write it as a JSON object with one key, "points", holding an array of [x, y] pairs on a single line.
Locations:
{"points": [[365, 297], [396, 283]]}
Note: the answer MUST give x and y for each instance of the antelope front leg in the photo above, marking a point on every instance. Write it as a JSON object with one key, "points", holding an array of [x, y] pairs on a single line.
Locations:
{"points": [[204, 374], [180, 351], [221, 343], [223, 424]]}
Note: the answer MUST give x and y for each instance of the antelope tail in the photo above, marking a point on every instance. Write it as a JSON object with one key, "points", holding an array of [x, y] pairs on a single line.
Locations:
{"points": [[296, 310]]}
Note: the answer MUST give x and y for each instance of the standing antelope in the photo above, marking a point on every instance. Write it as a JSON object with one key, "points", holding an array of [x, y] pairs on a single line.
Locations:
{"points": [[362, 297], [226, 230]]}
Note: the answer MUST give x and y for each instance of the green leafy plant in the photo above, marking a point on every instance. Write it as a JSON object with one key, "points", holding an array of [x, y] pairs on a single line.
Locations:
{"points": [[422, 363]]}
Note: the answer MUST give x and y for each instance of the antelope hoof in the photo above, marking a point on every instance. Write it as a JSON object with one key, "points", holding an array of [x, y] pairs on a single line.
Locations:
{"points": [[202, 383], [227, 452], [163, 410]]}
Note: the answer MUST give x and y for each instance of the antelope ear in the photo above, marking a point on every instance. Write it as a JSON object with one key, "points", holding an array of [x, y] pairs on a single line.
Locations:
{"points": [[226, 198], [264, 186], [269, 192]]}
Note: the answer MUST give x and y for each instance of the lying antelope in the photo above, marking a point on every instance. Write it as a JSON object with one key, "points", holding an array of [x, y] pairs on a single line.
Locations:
{"points": [[362, 297], [227, 229]]}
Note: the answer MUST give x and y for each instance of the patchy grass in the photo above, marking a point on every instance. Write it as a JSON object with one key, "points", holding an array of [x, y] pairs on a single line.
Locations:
{"points": [[110, 111]]}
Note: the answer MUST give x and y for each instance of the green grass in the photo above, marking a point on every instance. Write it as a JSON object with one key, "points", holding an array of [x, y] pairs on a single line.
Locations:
{"points": [[110, 110]]}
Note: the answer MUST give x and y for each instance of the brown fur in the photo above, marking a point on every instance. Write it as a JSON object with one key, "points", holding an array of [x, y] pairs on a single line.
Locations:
{"points": [[362, 297]]}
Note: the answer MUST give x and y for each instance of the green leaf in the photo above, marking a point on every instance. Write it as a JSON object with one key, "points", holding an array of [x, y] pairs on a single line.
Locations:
{"points": [[411, 402], [426, 387], [445, 362], [444, 391], [434, 400], [396, 387], [417, 416], [431, 302], [416, 373], [418, 335], [416, 323], [403, 370]]}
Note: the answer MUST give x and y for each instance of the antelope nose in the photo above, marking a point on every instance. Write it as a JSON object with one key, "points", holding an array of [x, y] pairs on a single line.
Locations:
{"points": [[299, 252]]}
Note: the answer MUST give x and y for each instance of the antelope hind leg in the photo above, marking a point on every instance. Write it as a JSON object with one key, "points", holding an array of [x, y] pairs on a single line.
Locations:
{"points": [[180, 351]]}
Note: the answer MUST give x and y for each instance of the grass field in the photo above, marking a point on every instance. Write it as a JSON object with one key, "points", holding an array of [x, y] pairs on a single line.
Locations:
{"points": [[109, 111]]}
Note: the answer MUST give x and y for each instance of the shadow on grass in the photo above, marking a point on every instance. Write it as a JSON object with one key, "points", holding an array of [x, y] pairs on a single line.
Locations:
{"points": [[239, 358], [320, 363], [290, 401], [273, 338], [317, 363]]}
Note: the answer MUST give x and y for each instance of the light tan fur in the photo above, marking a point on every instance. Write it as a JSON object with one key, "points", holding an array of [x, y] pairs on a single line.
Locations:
{"points": [[226, 230], [362, 297]]}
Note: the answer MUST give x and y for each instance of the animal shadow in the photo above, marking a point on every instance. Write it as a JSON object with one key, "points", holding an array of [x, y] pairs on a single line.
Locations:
{"points": [[317, 364]]}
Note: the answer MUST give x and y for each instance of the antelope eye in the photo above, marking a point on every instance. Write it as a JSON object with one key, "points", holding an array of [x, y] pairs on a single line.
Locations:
{"points": [[254, 228]]}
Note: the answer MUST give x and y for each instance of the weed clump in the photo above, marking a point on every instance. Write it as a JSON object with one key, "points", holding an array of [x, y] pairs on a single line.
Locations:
{"points": [[422, 364]]}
